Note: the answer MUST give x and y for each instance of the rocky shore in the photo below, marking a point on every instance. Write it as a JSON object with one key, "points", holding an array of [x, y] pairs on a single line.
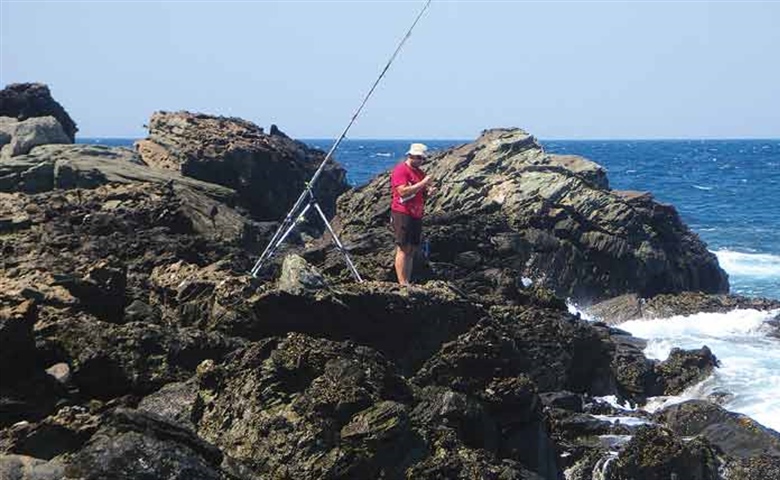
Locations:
{"points": [[134, 345]]}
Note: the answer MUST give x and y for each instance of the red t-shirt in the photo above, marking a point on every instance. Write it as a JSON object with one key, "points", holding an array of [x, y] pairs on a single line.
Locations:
{"points": [[412, 205]]}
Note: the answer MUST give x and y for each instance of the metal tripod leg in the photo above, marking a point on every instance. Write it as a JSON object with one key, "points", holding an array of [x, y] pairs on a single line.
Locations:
{"points": [[290, 222], [287, 224], [278, 238], [338, 242]]}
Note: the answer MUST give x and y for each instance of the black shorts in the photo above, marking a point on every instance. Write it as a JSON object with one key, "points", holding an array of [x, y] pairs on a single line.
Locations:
{"points": [[407, 230]]}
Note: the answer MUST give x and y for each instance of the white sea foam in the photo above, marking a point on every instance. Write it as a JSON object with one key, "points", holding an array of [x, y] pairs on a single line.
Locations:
{"points": [[749, 376], [613, 400], [622, 419], [574, 309], [749, 264], [700, 187], [383, 154]]}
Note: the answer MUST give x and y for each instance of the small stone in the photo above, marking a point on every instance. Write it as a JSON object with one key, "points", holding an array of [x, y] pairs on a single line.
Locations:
{"points": [[60, 371]]}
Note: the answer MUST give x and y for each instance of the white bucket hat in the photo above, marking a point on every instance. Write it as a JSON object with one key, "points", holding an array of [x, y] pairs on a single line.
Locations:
{"points": [[418, 150]]}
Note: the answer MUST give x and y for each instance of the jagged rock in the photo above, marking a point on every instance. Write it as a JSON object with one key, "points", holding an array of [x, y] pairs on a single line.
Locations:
{"points": [[26, 391], [142, 445], [138, 280], [70, 234], [186, 205], [734, 434], [27, 100], [563, 400], [51, 167], [638, 377], [682, 369], [440, 408], [407, 325], [634, 373], [297, 406], [655, 453], [468, 464], [22, 467], [101, 291], [65, 432], [753, 468], [525, 213], [269, 172], [558, 351], [21, 137], [17, 343], [174, 401], [632, 307], [110, 360]]}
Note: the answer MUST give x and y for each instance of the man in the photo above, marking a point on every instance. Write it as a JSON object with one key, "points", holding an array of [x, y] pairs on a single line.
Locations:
{"points": [[410, 187]]}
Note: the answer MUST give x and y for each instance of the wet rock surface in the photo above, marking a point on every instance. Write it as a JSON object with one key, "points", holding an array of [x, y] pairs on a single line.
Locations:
{"points": [[133, 342], [633, 307]]}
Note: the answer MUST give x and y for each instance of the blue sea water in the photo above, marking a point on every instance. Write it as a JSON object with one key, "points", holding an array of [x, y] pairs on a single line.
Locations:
{"points": [[727, 192]]}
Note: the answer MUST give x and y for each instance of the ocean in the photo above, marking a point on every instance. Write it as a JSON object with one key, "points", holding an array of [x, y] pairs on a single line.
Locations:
{"points": [[728, 192]]}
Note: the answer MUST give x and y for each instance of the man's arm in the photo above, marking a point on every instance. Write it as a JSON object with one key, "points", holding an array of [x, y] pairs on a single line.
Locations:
{"points": [[407, 190]]}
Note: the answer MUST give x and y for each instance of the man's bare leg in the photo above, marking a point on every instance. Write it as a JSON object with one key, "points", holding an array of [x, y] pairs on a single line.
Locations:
{"points": [[410, 253], [404, 256]]}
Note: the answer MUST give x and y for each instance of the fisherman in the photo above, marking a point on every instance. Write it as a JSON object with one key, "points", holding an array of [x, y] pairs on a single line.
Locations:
{"points": [[410, 187]]}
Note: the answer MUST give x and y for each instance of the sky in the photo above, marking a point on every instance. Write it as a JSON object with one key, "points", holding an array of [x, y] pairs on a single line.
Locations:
{"points": [[558, 69]]}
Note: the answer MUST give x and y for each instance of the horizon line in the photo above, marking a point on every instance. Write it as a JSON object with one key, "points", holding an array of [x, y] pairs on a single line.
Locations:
{"points": [[455, 139]]}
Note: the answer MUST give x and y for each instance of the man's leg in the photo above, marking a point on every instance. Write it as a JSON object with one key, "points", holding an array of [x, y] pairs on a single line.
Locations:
{"points": [[410, 253], [404, 256]]}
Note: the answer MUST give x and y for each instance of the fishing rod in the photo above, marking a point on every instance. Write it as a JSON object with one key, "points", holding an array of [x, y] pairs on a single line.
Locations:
{"points": [[294, 215]]}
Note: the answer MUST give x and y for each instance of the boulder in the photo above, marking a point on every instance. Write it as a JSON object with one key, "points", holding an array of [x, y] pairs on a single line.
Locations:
{"points": [[655, 453], [682, 369], [18, 138], [175, 402], [268, 171], [307, 408], [749, 450], [734, 434], [556, 350], [143, 445], [23, 467], [524, 213], [298, 276], [27, 100]]}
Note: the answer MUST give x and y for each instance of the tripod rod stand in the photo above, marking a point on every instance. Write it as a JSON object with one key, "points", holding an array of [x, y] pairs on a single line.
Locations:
{"points": [[289, 224]]}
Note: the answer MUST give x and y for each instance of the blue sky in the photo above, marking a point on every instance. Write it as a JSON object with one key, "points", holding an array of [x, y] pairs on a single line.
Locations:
{"points": [[574, 69]]}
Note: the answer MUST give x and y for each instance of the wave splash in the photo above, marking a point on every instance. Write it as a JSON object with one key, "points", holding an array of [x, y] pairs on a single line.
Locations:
{"points": [[749, 376], [749, 264]]}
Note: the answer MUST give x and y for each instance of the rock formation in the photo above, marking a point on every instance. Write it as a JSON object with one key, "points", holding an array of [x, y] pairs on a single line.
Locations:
{"points": [[30, 100], [268, 171], [133, 342], [505, 210]]}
